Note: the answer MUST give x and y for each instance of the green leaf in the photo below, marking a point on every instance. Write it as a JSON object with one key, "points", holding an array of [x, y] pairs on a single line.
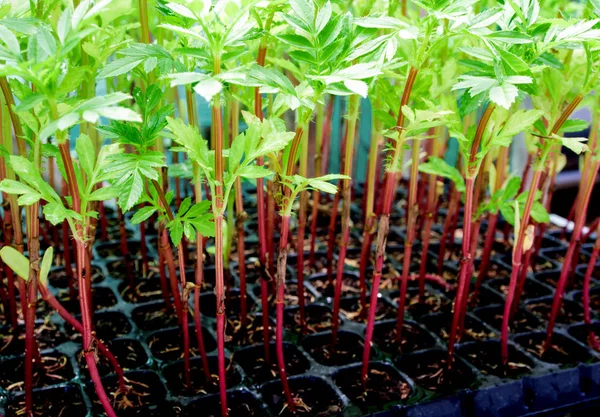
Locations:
{"points": [[15, 187], [175, 231], [29, 199], [55, 213], [86, 154], [130, 192], [208, 87], [16, 261], [511, 188], [254, 171], [513, 65], [437, 166], [119, 67], [305, 10], [509, 37], [539, 213], [518, 122], [104, 194], [574, 125], [143, 214], [574, 144], [46, 264], [10, 40]]}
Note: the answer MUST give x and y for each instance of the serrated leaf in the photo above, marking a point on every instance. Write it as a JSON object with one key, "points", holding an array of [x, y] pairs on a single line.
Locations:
{"points": [[254, 171], [119, 67], [142, 214], [130, 192], [15, 187], [208, 88], [175, 231], [439, 167], [86, 154], [55, 213], [574, 125], [10, 40], [574, 144]]}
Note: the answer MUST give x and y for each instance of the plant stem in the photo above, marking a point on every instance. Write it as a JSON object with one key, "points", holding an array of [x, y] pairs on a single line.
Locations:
{"points": [[262, 235], [10, 102], [217, 128], [430, 205], [573, 243], [316, 195], [301, 231], [492, 222], [370, 218], [84, 298], [463, 279], [279, 303], [592, 339], [76, 324], [353, 108], [391, 179], [413, 211], [199, 273], [518, 247]]}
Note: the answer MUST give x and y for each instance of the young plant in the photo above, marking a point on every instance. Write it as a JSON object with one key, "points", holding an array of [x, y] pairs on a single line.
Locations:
{"points": [[259, 140]]}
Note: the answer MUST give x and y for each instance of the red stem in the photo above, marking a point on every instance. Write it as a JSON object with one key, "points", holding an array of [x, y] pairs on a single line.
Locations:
{"points": [[593, 341], [412, 212], [331, 237], [450, 217], [76, 324], [84, 298], [279, 303], [319, 167], [573, 242], [465, 263]]}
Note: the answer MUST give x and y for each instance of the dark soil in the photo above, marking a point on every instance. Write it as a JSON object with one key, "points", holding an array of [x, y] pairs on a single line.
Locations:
{"points": [[350, 284], [154, 317], [107, 325], [252, 360], [313, 397], [351, 309], [532, 289], [240, 404], [129, 353], [58, 277], [349, 348], [523, 321], [432, 303], [413, 338], [56, 370], [563, 350], [146, 289], [54, 402], [429, 370], [384, 386], [47, 334], [166, 345], [113, 249], [486, 357], [569, 312], [174, 375], [102, 298], [251, 334], [318, 318], [144, 392], [440, 325]]}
